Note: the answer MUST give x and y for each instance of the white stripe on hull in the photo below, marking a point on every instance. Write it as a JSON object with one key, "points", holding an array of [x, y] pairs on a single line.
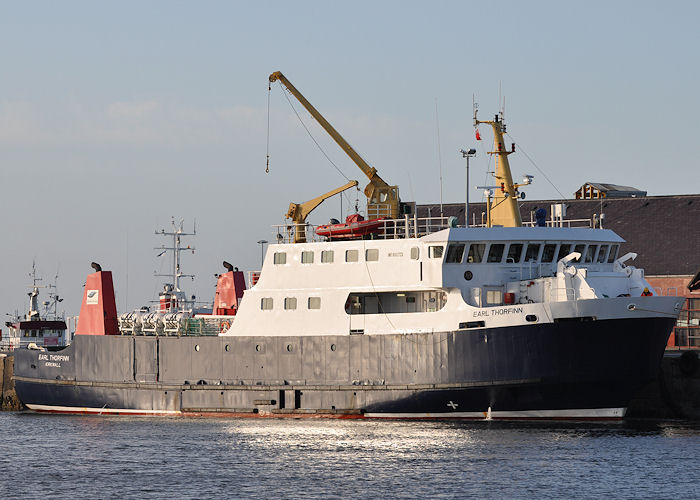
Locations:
{"points": [[100, 411], [588, 413]]}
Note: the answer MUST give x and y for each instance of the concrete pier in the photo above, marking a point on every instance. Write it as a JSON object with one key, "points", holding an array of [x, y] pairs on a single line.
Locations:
{"points": [[675, 393], [8, 401]]}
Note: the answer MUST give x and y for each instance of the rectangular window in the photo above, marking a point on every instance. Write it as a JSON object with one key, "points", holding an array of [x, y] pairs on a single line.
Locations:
{"points": [[455, 253], [494, 297], [496, 252], [307, 257], [415, 253], [548, 252], [372, 255], [290, 303], [266, 303], [590, 253], [314, 302], [435, 252], [327, 256], [533, 250], [564, 250], [280, 258], [603, 253], [613, 253], [515, 250], [351, 255], [580, 249], [476, 253]]}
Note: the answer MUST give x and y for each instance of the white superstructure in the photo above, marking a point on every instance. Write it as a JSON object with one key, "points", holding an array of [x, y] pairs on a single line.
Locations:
{"points": [[452, 279]]}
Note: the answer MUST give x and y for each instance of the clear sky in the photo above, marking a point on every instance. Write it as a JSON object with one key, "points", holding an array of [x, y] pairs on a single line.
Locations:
{"points": [[115, 116]]}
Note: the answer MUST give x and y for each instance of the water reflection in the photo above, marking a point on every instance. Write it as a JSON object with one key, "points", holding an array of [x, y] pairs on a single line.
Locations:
{"points": [[199, 458]]}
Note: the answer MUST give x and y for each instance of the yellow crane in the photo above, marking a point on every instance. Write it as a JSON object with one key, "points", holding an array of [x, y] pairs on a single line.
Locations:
{"points": [[382, 199], [298, 211]]}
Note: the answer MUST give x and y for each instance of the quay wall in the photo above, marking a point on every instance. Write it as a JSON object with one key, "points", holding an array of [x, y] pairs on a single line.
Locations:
{"points": [[8, 400]]}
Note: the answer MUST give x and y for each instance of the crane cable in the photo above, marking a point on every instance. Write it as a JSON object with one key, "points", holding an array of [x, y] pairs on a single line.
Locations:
{"points": [[538, 168], [312, 137], [269, 91]]}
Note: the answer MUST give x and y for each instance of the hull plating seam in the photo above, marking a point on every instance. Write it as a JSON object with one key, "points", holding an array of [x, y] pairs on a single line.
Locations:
{"points": [[252, 387]]}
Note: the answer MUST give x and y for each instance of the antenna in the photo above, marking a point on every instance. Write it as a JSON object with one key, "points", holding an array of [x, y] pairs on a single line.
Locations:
{"points": [[437, 127]]}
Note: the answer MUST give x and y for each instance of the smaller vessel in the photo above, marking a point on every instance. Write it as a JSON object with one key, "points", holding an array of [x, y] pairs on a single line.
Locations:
{"points": [[355, 227], [47, 329]]}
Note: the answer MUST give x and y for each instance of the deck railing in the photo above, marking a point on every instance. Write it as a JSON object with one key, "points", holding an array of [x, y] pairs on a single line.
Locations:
{"points": [[406, 227]]}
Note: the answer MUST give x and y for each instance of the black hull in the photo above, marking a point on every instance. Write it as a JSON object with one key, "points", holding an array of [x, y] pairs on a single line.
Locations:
{"points": [[570, 369]]}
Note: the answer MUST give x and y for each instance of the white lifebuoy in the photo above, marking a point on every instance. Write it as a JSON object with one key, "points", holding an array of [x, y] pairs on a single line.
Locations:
{"points": [[225, 325]]}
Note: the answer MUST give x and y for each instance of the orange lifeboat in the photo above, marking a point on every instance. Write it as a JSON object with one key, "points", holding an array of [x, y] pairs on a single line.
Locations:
{"points": [[355, 227]]}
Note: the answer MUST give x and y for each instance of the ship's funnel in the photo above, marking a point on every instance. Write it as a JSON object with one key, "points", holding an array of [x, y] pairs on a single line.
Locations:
{"points": [[229, 290], [98, 312]]}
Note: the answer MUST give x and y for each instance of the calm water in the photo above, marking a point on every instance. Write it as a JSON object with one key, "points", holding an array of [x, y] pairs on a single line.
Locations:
{"points": [[106, 457]]}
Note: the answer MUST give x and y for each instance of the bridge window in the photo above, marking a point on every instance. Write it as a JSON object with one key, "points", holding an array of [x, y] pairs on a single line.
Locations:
{"points": [[496, 252], [548, 252], [266, 303], [613, 253], [455, 252], [372, 255], [602, 254], [395, 302], [307, 257], [314, 303], [351, 255], [532, 252], [415, 253], [435, 252], [590, 253], [280, 258], [515, 250], [580, 249], [327, 256], [476, 253], [564, 250], [290, 303]]}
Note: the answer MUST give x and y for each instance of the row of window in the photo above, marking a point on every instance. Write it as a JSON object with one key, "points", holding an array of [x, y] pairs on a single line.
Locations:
{"points": [[328, 256], [513, 253], [290, 303], [39, 333], [520, 252]]}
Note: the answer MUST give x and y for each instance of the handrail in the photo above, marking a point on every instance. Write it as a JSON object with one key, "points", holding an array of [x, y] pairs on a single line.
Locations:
{"points": [[408, 227]]}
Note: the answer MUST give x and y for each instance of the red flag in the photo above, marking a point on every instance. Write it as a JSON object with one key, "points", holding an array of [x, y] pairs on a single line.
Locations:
{"points": [[478, 135]]}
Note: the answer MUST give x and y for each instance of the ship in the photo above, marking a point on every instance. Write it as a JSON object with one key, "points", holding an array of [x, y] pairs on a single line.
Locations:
{"points": [[36, 327], [421, 320]]}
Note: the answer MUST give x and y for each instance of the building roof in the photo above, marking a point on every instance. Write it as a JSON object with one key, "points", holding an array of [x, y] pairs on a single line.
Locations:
{"points": [[663, 230]]}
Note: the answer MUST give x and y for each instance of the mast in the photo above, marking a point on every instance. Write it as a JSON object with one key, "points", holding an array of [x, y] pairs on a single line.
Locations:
{"points": [[503, 210], [176, 233]]}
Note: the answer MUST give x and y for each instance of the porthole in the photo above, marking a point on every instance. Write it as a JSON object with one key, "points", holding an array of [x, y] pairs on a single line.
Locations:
{"points": [[333, 347], [468, 275], [196, 347], [531, 318], [257, 347], [227, 347], [289, 347]]}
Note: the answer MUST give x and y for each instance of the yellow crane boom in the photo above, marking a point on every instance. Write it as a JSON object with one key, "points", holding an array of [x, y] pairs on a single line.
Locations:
{"points": [[298, 211], [382, 199]]}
